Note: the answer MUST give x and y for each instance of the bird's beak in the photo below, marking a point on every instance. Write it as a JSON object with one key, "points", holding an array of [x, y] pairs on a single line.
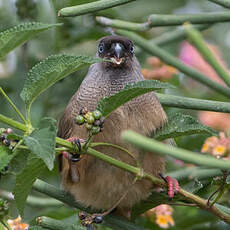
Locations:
{"points": [[118, 54]]}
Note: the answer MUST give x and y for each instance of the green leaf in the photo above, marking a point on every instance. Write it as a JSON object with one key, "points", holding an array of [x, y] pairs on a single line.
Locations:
{"points": [[15, 36], [108, 104], [18, 163], [42, 141], [49, 71], [180, 125], [5, 156], [25, 180]]}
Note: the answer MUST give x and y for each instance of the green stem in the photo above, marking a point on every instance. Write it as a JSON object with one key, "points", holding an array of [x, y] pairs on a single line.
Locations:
{"points": [[225, 3], [175, 35], [90, 7], [198, 41], [193, 103], [152, 145], [122, 24], [171, 60], [33, 200], [13, 123], [114, 146], [194, 172], [202, 18], [51, 191], [166, 20], [13, 105], [47, 222]]}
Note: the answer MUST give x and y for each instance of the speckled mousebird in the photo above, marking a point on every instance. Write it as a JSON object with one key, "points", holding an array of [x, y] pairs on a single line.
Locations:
{"points": [[93, 182]]}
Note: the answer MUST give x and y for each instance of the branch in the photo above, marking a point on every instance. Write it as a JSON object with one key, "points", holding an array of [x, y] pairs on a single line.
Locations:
{"points": [[208, 161], [171, 60], [91, 7], [197, 40], [175, 35], [225, 3], [110, 220], [194, 172], [152, 145], [50, 223], [32, 200], [166, 20], [193, 103]]}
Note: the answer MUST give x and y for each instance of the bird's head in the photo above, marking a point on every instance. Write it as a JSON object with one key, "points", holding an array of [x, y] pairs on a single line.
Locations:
{"points": [[119, 50]]}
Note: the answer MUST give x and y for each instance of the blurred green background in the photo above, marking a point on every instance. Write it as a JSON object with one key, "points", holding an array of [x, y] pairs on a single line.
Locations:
{"points": [[77, 36]]}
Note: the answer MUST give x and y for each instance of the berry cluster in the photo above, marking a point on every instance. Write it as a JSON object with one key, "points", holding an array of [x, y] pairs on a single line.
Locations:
{"points": [[88, 220], [94, 121], [4, 209], [3, 136]]}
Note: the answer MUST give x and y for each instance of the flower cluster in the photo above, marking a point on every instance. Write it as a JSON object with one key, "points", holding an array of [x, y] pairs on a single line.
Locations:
{"points": [[219, 147], [17, 224], [159, 70], [161, 215]]}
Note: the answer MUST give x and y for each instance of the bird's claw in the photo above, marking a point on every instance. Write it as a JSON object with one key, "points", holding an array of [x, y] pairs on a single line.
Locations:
{"points": [[173, 185], [70, 156], [88, 220]]}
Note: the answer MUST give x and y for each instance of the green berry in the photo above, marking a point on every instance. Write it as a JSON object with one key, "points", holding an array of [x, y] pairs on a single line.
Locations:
{"points": [[97, 114], [88, 126], [95, 130], [90, 119], [80, 119]]}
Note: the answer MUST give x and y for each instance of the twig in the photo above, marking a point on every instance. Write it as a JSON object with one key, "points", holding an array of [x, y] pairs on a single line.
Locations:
{"points": [[166, 20], [193, 103], [91, 7], [171, 60], [13, 105], [175, 35]]}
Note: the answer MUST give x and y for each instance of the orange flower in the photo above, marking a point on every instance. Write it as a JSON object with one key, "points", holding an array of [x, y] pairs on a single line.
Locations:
{"points": [[218, 147], [16, 224], [159, 70], [161, 215], [164, 221]]}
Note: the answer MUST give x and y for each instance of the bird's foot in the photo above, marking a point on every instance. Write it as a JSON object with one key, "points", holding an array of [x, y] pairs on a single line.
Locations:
{"points": [[74, 157], [173, 185], [88, 220]]}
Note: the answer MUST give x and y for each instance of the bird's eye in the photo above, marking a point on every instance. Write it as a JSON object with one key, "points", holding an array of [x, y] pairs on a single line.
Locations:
{"points": [[101, 48], [132, 49]]}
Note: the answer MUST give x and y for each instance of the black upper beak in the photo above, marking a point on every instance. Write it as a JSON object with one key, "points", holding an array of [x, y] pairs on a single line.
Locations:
{"points": [[118, 50]]}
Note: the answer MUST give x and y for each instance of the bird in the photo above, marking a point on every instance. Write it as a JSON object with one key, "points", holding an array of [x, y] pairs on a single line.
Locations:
{"points": [[93, 182]]}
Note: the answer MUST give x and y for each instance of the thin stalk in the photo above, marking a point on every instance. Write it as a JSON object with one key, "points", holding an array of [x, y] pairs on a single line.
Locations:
{"points": [[90, 7], [202, 18], [224, 3], [165, 20], [197, 40], [116, 23], [194, 172], [152, 145], [178, 34], [13, 123], [33, 200], [193, 103], [13, 105], [171, 60]]}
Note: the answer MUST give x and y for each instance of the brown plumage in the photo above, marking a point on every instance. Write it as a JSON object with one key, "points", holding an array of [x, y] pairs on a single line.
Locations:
{"points": [[94, 182]]}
